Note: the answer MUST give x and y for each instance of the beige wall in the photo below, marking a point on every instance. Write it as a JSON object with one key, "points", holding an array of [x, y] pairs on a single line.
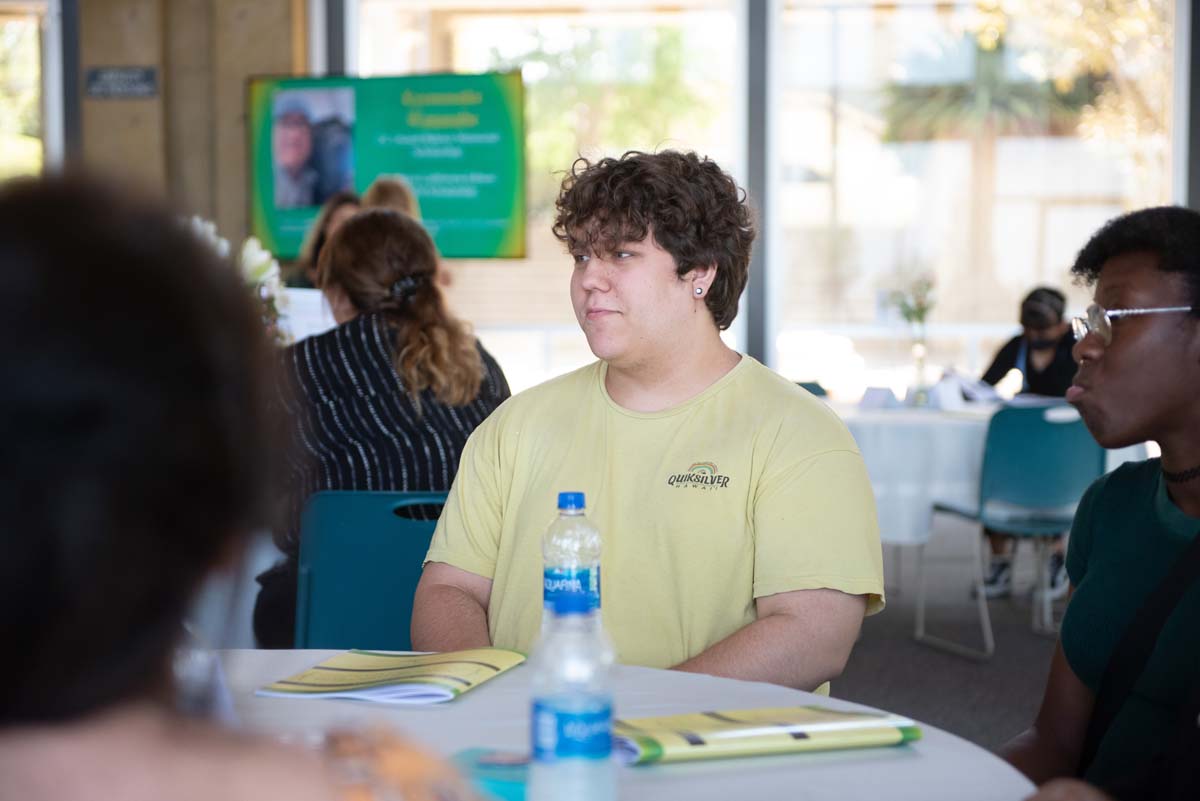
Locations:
{"points": [[188, 142], [125, 137]]}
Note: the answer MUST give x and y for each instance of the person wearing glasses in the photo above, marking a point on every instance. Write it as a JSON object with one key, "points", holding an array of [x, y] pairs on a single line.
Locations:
{"points": [[1042, 354], [1124, 675]]}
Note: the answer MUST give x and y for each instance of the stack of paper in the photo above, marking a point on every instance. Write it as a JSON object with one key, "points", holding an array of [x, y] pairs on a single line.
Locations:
{"points": [[755, 732], [396, 678]]}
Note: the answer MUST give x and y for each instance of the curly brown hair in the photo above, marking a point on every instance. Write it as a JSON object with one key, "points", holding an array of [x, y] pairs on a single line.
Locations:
{"points": [[385, 262], [693, 209]]}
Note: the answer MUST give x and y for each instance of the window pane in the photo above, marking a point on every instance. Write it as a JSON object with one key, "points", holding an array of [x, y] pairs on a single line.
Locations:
{"points": [[20, 95], [599, 81], [980, 148]]}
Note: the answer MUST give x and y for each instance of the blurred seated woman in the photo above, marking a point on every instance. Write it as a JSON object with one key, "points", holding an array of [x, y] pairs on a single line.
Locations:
{"points": [[136, 460], [339, 207], [1124, 682], [1042, 354], [386, 400], [1042, 351], [392, 192]]}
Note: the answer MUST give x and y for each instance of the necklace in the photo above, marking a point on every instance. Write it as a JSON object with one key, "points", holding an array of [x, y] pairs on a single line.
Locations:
{"points": [[1182, 475]]}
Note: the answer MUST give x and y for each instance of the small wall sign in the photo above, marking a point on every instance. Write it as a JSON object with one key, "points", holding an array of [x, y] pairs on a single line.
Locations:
{"points": [[121, 82]]}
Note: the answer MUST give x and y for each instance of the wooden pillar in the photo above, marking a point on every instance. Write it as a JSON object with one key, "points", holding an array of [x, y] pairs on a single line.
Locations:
{"points": [[123, 135], [189, 106]]}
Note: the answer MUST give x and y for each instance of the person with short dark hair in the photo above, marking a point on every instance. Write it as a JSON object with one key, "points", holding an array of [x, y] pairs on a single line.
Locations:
{"points": [[1122, 698], [138, 457], [386, 400], [1042, 354], [738, 520], [1042, 351]]}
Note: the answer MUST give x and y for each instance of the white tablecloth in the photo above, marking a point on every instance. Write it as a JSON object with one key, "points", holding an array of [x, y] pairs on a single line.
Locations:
{"points": [[916, 456], [940, 766]]}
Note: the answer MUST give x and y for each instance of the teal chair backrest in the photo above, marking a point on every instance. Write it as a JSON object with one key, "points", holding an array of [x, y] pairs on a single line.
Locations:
{"points": [[360, 560], [1040, 457], [814, 387]]}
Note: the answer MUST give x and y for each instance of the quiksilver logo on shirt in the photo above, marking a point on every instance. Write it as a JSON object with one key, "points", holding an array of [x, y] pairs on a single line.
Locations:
{"points": [[701, 475]]}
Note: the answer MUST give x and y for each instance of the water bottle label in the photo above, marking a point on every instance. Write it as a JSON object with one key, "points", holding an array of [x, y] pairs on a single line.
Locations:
{"points": [[571, 580], [558, 734]]}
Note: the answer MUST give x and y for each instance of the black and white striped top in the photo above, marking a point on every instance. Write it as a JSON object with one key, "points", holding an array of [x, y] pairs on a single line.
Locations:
{"points": [[354, 426]]}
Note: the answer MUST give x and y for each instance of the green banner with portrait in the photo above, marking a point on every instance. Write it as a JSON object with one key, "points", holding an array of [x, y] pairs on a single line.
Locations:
{"points": [[457, 140]]}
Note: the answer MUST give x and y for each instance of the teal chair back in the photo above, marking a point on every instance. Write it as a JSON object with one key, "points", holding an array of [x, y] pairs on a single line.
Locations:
{"points": [[360, 560], [814, 387], [1038, 458]]}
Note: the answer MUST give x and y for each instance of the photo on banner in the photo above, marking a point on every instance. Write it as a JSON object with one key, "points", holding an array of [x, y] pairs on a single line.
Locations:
{"points": [[458, 140]]}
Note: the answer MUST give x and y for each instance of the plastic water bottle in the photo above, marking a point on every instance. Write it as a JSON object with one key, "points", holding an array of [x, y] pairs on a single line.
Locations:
{"points": [[571, 721], [571, 557]]}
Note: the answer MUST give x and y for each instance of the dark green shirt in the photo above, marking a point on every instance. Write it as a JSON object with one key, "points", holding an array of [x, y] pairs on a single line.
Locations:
{"points": [[1126, 535]]}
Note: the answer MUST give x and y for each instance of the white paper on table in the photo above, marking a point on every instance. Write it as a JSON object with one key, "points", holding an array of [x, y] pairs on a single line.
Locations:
{"points": [[976, 389], [878, 398], [947, 393]]}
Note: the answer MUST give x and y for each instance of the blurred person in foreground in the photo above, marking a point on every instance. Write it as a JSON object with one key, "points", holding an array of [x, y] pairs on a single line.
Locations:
{"points": [[340, 207], [137, 460], [739, 526], [1042, 355], [1122, 700], [386, 400]]}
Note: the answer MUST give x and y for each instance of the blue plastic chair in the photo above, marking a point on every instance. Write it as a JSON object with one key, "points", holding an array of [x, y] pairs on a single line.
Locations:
{"points": [[814, 387], [1037, 463], [360, 561]]}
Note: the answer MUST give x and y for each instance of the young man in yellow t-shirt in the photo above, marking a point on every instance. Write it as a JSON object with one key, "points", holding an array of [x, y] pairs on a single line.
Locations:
{"points": [[738, 522]]}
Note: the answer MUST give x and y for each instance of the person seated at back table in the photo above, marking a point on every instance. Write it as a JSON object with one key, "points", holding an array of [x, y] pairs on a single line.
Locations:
{"points": [[1042, 353], [1138, 380], [386, 400], [340, 207], [762, 570], [392, 192], [137, 459]]}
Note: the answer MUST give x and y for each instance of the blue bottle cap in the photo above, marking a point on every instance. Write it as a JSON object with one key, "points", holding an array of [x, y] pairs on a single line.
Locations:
{"points": [[571, 603], [570, 500]]}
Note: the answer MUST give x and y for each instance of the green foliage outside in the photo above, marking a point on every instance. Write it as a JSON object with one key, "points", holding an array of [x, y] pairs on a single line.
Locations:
{"points": [[20, 99], [992, 104], [605, 92]]}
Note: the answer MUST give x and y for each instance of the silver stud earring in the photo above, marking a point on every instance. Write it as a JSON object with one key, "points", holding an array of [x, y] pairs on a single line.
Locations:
{"points": [[699, 290]]}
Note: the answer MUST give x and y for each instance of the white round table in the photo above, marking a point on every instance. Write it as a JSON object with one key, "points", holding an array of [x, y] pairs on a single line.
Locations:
{"points": [[915, 456], [938, 767]]}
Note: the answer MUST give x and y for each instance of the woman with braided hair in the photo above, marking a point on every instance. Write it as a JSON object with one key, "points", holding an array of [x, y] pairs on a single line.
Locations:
{"points": [[386, 400]]}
